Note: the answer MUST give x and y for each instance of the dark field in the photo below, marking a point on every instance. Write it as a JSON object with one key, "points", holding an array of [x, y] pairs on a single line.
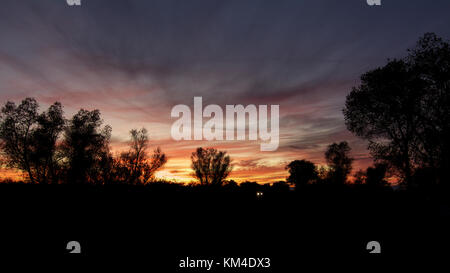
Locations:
{"points": [[160, 224]]}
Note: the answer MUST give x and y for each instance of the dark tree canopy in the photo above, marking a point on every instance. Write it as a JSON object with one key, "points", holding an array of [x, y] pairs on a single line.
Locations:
{"points": [[28, 139], [339, 161], [85, 145], [210, 166], [402, 109], [374, 176], [301, 172]]}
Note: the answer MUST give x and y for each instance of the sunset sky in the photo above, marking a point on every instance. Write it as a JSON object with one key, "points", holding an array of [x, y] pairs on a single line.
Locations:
{"points": [[135, 60]]}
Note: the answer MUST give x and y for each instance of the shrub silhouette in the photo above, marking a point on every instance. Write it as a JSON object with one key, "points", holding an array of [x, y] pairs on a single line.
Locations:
{"points": [[280, 186], [210, 166], [374, 176], [135, 166], [301, 172]]}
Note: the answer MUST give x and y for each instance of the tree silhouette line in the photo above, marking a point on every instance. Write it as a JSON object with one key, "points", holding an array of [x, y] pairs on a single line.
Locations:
{"points": [[51, 149], [401, 109]]}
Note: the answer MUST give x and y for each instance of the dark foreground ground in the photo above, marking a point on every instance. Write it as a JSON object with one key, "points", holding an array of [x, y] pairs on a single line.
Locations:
{"points": [[159, 226]]}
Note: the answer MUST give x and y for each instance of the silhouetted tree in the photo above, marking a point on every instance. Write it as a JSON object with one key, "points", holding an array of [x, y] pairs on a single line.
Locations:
{"points": [[375, 176], [339, 161], [135, 166], [280, 186], [210, 166], [230, 184], [301, 172], [85, 145], [250, 186], [28, 139], [402, 109]]}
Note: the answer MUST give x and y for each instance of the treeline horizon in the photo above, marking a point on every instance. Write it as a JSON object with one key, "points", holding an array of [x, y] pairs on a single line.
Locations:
{"points": [[51, 149], [401, 110]]}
